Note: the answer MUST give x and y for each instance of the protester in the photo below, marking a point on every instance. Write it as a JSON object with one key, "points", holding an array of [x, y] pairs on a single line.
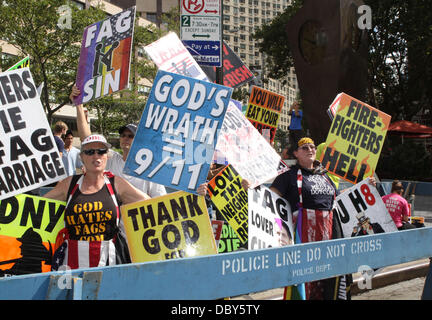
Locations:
{"points": [[397, 206], [116, 161], [295, 126], [59, 130], [92, 213], [71, 155], [311, 195]]}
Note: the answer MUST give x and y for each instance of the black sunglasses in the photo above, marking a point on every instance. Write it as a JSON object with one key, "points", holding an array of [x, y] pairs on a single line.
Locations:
{"points": [[125, 135], [91, 152]]}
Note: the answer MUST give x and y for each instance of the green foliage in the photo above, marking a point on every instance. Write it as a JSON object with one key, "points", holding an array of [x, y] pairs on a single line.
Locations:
{"points": [[31, 26], [273, 41], [404, 161], [400, 54]]}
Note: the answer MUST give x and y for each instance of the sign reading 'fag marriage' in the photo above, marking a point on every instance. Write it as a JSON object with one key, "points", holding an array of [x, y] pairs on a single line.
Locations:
{"points": [[176, 225], [228, 195], [355, 140], [264, 110], [29, 157], [28, 229]]}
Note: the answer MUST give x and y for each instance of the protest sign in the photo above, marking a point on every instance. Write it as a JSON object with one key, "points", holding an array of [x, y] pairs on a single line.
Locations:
{"points": [[230, 198], [169, 54], [332, 109], [176, 225], [360, 203], [179, 128], [235, 73], [264, 110], [355, 140], [270, 219], [104, 64], [28, 229], [229, 240], [23, 63], [29, 157], [246, 149]]}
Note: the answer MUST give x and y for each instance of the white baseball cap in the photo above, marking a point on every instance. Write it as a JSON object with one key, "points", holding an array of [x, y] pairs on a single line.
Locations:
{"points": [[95, 138]]}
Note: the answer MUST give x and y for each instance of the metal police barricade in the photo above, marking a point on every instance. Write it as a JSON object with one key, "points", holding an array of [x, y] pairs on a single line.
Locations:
{"points": [[229, 274]]}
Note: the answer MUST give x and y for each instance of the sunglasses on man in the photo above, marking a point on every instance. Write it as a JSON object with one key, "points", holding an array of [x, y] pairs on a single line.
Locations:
{"points": [[90, 152]]}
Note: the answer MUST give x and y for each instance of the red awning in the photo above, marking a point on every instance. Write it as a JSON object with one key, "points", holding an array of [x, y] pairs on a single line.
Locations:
{"points": [[409, 128]]}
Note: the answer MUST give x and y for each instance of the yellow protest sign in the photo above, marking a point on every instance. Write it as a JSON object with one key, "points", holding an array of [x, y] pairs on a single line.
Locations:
{"points": [[263, 111], [28, 229], [228, 195], [176, 225], [355, 140]]}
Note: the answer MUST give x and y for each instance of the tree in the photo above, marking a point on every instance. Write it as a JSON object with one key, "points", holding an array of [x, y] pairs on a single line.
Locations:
{"points": [[273, 42], [31, 27], [400, 54]]}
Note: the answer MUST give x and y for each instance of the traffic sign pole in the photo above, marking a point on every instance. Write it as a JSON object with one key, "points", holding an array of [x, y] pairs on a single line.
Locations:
{"points": [[219, 70]]}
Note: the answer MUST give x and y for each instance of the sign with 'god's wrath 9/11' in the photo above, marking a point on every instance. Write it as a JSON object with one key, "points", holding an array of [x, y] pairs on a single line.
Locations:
{"points": [[178, 131]]}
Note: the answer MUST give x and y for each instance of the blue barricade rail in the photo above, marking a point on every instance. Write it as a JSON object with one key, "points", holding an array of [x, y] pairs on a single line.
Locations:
{"points": [[224, 275]]}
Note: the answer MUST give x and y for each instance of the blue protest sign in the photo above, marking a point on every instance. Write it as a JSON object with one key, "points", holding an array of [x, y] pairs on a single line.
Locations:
{"points": [[178, 131]]}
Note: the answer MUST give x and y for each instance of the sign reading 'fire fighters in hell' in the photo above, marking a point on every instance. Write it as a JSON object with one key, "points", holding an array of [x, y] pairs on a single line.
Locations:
{"points": [[355, 140]]}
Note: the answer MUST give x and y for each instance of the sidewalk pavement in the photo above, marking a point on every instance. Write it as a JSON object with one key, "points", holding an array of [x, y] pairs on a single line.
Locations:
{"points": [[403, 281]]}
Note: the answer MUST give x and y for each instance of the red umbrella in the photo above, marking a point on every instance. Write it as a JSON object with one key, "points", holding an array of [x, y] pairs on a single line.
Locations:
{"points": [[410, 129]]}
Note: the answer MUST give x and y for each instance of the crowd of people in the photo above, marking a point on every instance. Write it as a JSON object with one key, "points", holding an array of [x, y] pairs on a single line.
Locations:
{"points": [[97, 183]]}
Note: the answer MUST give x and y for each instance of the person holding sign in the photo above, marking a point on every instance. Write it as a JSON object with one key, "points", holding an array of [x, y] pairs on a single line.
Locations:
{"points": [[311, 195], [116, 161], [92, 215]]}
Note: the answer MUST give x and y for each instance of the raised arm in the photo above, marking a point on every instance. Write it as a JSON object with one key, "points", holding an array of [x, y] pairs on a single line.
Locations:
{"points": [[82, 124]]}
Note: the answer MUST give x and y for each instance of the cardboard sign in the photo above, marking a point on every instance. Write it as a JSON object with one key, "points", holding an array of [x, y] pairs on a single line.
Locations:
{"points": [[270, 219], [264, 110], [229, 197], [235, 72], [175, 139], [355, 140], [246, 149], [176, 225], [359, 203], [28, 229], [105, 57], [29, 157], [169, 54]]}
